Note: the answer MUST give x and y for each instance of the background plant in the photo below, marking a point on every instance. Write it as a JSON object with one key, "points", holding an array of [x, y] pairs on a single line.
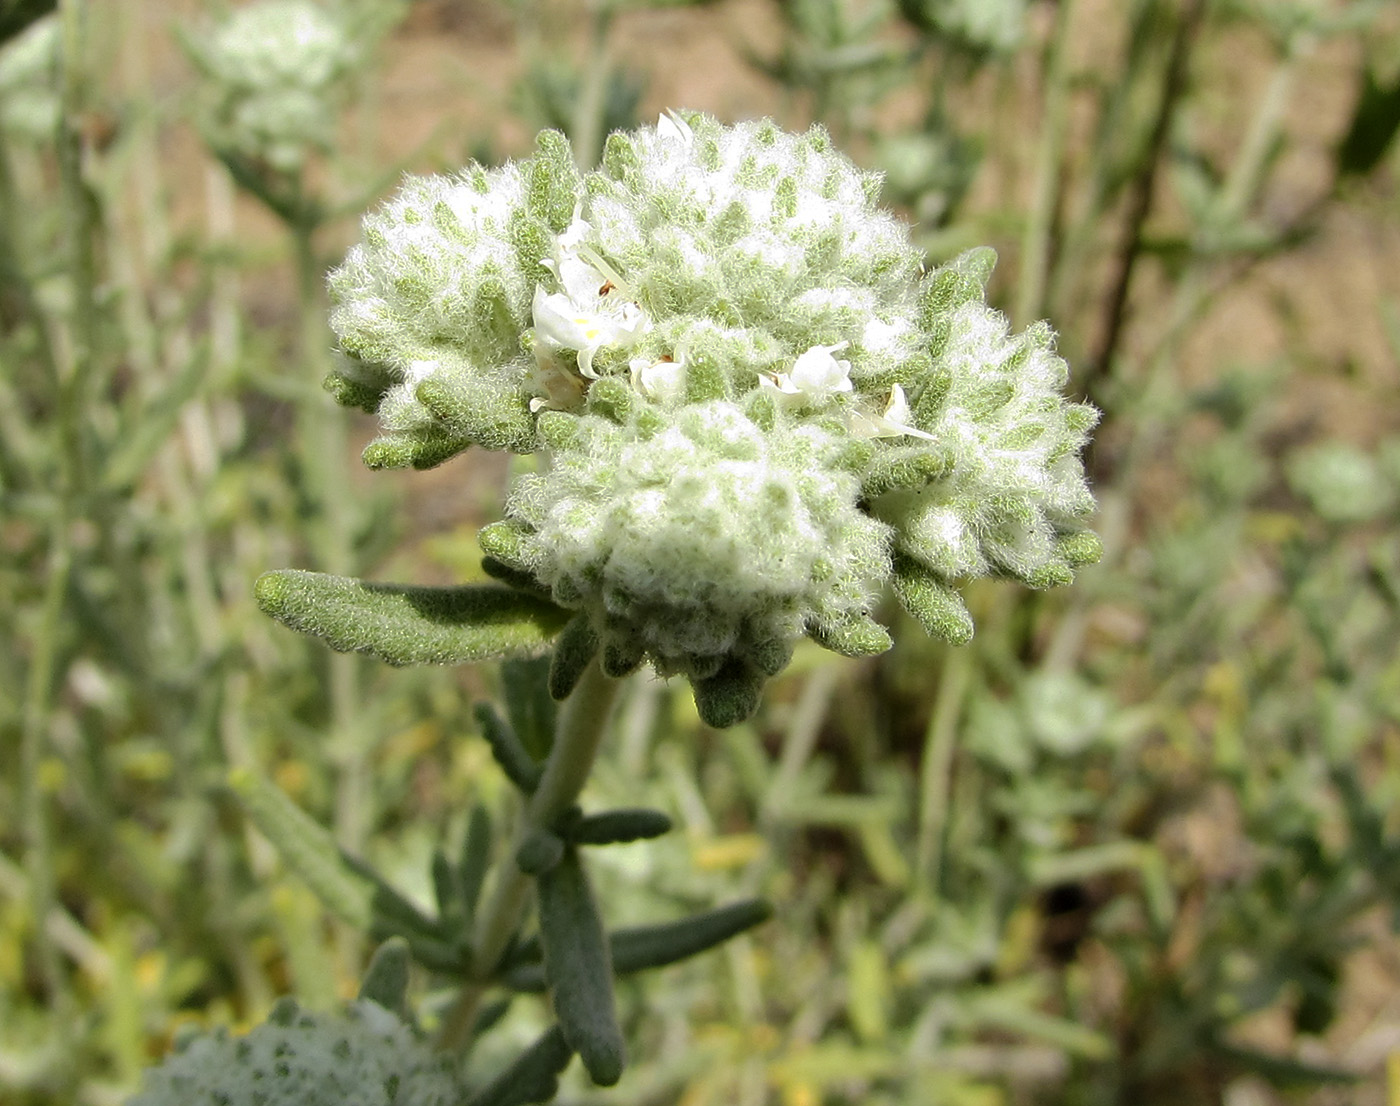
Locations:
{"points": [[1132, 839]]}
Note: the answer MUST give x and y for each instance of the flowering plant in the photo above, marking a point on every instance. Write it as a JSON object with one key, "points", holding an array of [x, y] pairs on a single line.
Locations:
{"points": [[752, 408], [755, 405]]}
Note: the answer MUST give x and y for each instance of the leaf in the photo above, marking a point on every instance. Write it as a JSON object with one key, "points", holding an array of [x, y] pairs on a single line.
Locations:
{"points": [[573, 651], [307, 848], [404, 624], [520, 768], [651, 946], [615, 827], [151, 427], [386, 978], [532, 1077], [476, 858], [447, 892], [528, 701], [16, 15], [579, 968], [349, 888], [1374, 123]]}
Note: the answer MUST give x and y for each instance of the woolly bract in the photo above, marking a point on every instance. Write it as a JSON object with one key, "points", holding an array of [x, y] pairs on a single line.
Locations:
{"points": [[368, 1057], [276, 72], [756, 406]]}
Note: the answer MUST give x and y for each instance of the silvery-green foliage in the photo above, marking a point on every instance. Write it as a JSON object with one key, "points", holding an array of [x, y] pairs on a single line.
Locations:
{"points": [[29, 82], [1343, 483], [367, 1057], [982, 26], [277, 73], [755, 405]]}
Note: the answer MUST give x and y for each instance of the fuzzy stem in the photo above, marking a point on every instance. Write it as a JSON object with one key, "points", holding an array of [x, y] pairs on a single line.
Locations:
{"points": [[578, 734]]}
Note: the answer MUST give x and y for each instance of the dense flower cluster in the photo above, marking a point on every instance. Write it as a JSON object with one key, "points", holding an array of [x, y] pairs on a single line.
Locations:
{"points": [[754, 406], [277, 72], [369, 1057]]}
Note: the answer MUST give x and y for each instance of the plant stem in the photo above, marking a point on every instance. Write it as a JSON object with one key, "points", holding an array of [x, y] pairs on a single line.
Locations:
{"points": [[578, 734], [323, 441], [591, 108], [1035, 244], [940, 741], [1144, 190]]}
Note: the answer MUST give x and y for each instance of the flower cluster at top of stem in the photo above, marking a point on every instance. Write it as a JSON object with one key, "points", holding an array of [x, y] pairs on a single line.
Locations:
{"points": [[277, 74], [756, 406], [367, 1057]]}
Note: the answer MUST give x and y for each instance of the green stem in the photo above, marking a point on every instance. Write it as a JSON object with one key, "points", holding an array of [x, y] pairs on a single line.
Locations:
{"points": [[940, 741], [591, 107], [1035, 244], [578, 734], [323, 448], [69, 386]]}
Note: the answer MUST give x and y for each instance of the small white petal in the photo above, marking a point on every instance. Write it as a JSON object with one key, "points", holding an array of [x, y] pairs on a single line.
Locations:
{"points": [[894, 423], [672, 127], [819, 375], [662, 381]]}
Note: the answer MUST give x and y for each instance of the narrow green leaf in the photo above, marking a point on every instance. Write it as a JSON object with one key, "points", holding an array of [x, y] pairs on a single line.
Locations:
{"points": [[574, 649], [151, 426], [615, 827], [528, 703], [446, 890], [532, 1077], [637, 948], [307, 848], [476, 859], [403, 624], [1374, 123], [386, 978], [579, 969], [16, 15], [348, 887], [655, 946], [520, 768], [513, 577]]}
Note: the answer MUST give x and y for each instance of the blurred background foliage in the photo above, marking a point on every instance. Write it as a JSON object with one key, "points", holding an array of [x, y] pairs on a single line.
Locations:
{"points": [[1138, 842]]}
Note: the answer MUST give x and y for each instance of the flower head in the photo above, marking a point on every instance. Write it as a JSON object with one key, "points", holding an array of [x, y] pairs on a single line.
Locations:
{"points": [[757, 406]]}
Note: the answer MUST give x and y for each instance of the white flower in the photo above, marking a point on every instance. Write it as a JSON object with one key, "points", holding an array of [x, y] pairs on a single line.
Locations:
{"points": [[662, 381], [591, 311], [673, 128], [896, 421], [816, 377]]}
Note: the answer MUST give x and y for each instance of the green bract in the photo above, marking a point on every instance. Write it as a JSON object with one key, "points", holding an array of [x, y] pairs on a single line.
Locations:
{"points": [[754, 406], [369, 1057]]}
